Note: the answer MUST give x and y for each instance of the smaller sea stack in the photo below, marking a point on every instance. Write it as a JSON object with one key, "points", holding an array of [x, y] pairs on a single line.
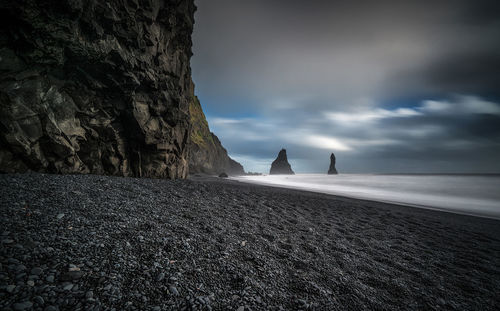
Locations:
{"points": [[332, 170], [281, 165]]}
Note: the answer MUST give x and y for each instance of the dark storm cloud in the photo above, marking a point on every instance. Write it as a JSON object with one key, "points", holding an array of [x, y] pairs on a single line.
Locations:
{"points": [[317, 76], [475, 73]]}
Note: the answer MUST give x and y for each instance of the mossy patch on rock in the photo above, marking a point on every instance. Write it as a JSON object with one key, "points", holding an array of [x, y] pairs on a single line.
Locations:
{"points": [[206, 153]]}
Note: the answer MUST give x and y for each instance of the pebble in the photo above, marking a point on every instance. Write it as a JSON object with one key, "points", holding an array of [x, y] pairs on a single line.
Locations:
{"points": [[10, 288], [59, 216], [173, 290], [22, 305], [72, 275], [20, 268], [30, 283], [50, 279], [20, 275], [36, 271], [160, 277], [89, 294], [39, 300], [50, 308], [241, 308], [68, 287]]}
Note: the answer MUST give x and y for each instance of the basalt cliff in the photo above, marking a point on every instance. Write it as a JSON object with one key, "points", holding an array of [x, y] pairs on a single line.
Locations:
{"points": [[101, 87], [206, 154]]}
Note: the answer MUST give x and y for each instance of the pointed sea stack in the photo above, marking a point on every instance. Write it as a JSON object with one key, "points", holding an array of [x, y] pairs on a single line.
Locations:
{"points": [[281, 165], [332, 170]]}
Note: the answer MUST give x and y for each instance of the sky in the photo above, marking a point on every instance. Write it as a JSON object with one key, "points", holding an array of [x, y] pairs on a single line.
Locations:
{"points": [[388, 86]]}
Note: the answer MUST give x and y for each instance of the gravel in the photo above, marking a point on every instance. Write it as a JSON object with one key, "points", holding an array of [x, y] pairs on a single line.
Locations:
{"points": [[86, 242]]}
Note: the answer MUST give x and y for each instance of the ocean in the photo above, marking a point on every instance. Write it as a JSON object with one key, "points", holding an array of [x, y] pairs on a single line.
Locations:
{"points": [[477, 195]]}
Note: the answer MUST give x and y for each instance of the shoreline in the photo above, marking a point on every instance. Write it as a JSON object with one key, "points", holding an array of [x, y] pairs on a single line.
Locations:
{"points": [[402, 204], [485, 208], [213, 244]]}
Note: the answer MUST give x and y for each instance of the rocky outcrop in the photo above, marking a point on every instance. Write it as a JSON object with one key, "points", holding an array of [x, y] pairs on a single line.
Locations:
{"points": [[332, 170], [281, 165], [96, 86], [206, 154]]}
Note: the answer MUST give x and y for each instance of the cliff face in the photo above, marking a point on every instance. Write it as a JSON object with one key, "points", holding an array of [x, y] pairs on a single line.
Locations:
{"points": [[206, 154], [89, 86], [281, 165]]}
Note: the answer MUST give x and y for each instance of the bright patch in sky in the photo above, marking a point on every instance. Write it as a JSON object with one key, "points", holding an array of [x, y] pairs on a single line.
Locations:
{"points": [[324, 142]]}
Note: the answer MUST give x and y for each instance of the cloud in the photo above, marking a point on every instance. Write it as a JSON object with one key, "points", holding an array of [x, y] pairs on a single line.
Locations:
{"points": [[374, 81], [325, 142], [434, 127], [462, 105], [223, 121], [373, 115], [340, 51]]}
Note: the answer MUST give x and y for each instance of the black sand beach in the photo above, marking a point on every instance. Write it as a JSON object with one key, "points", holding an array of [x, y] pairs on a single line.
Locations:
{"points": [[108, 243]]}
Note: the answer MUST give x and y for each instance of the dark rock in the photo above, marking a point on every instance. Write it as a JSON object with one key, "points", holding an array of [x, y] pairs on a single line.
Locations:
{"points": [[332, 170], [21, 268], [101, 88], [223, 175], [22, 305], [281, 165], [71, 275], [89, 294], [206, 153], [39, 300], [160, 277], [173, 290], [36, 271]]}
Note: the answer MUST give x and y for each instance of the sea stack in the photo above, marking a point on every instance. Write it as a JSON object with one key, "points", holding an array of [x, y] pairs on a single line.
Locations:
{"points": [[281, 165], [332, 170]]}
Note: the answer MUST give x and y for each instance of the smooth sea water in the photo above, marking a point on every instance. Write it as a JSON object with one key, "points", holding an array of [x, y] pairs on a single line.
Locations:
{"points": [[477, 195]]}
